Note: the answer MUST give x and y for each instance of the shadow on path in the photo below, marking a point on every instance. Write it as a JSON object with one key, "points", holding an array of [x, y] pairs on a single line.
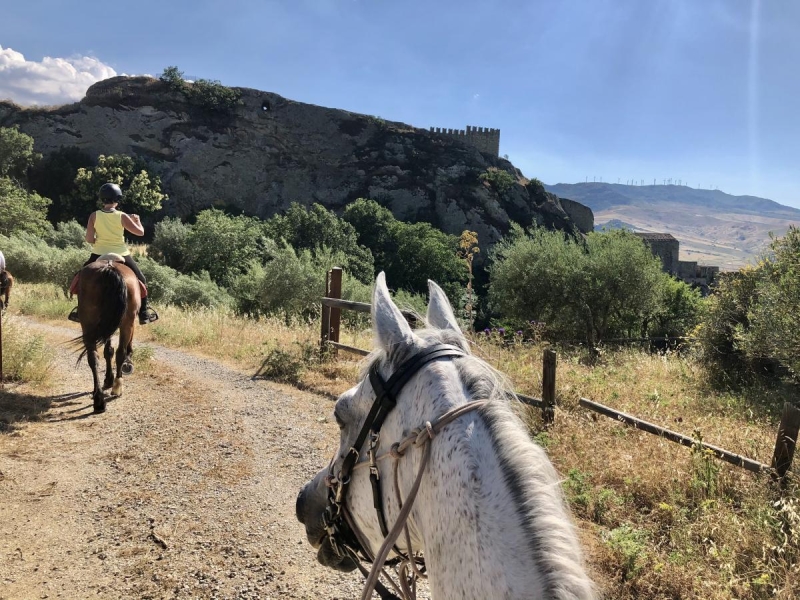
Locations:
{"points": [[16, 407]]}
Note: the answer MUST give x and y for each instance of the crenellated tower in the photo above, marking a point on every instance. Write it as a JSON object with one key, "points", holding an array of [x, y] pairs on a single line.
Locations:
{"points": [[484, 139]]}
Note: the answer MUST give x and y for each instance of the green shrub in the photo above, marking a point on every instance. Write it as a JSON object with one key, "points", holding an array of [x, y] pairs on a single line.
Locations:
{"points": [[501, 181], [30, 259], [169, 243], [20, 210], [287, 367], [70, 234], [211, 95], [290, 284], [630, 546], [317, 228], [167, 286], [750, 326], [222, 245]]}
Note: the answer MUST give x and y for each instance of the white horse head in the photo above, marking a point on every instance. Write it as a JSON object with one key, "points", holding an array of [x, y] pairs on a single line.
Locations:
{"points": [[489, 515]]}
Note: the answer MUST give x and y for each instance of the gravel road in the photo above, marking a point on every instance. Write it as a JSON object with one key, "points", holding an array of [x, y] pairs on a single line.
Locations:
{"points": [[184, 488]]}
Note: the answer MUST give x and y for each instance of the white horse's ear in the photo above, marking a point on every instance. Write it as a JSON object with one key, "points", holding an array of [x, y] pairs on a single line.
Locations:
{"points": [[389, 325], [440, 313]]}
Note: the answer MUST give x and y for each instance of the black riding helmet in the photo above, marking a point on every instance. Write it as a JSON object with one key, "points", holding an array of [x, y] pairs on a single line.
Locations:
{"points": [[110, 193]]}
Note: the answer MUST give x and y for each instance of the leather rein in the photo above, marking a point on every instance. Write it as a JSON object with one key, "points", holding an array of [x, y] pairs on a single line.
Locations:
{"points": [[344, 536]]}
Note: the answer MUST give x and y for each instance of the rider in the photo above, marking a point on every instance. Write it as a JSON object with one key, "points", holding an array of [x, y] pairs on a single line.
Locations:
{"points": [[105, 231]]}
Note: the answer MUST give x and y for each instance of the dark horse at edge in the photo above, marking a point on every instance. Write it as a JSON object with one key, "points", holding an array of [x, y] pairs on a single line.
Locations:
{"points": [[108, 299], [6, 283]]}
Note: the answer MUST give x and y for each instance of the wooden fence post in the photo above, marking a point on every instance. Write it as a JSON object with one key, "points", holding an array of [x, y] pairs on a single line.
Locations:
{"points": [[786, 442], [335, 291], [549, 360], [326, 318]]}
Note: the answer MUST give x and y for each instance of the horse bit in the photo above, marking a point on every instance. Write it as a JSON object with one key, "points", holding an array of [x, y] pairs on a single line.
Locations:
{"points": [[345, 538]]}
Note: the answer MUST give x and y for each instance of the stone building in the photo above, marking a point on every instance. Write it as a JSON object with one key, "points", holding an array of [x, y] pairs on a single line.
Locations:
{"points": [[483, 138], [666, 247]]}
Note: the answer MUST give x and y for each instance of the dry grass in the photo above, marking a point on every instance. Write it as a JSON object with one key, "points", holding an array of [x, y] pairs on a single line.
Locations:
{"points": [[658, 520]]}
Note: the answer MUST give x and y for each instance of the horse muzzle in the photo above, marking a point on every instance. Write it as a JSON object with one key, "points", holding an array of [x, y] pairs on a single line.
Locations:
{"points": [[310, 508]]}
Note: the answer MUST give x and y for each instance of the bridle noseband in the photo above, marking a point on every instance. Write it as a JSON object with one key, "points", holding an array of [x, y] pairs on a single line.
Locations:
{"points": [[343, 535]]}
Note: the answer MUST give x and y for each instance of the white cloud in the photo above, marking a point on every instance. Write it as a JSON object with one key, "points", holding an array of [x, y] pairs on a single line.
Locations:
{"points": [[51, 81]]}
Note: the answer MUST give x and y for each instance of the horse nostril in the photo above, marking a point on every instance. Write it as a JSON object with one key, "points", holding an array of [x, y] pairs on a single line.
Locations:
{"points": [[298, 507]]}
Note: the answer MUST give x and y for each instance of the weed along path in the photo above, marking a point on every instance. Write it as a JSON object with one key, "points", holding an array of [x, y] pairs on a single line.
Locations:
{"points": [[184, 488]]}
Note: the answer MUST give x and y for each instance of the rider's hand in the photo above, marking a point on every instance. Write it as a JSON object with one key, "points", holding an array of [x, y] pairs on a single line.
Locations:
{"points": [[135, 218]]}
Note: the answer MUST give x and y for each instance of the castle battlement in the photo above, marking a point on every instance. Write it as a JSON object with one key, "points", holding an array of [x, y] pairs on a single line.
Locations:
{"points": [[484, 139]]}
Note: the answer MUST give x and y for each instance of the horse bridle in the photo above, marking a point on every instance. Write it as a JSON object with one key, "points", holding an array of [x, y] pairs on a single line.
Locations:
{"points": [[339, 526]]}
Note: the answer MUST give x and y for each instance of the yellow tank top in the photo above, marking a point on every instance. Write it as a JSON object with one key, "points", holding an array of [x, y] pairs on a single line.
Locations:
{"points": [[109, 233]]}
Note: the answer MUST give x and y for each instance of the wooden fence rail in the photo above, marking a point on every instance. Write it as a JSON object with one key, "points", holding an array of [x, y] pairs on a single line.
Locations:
{"points": [[332, 305], [734, 459]]}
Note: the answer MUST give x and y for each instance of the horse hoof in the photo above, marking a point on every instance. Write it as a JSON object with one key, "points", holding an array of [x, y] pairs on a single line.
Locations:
{"points": [[99, 409], [127, 368]]}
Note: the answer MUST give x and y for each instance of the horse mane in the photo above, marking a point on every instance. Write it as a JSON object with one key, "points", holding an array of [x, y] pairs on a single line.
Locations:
{"points": [[527, 471]]}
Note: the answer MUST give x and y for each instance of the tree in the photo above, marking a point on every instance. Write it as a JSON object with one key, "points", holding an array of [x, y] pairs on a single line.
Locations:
{"points": [[373, 223], [224, 246], [409, 253], [20, 210], [169, 243], [424, 252], [141, 190], [173, 78], [773, 332], [54, 178], [16, 154], [609, 284], [318, 228]]}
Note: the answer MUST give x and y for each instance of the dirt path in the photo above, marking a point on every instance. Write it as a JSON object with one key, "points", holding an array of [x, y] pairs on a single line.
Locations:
{"points": [[184, 488]]}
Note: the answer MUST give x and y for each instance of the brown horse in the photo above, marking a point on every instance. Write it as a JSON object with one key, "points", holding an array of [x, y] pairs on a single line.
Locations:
{"points": [[6, 283], [108, 299]]}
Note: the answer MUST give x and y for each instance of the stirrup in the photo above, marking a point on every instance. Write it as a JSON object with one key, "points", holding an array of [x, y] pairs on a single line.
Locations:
{"points": [[73, 315], [148, 316]]}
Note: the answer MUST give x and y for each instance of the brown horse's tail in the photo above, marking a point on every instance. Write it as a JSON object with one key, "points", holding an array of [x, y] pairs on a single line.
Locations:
{"points": [[113, 300]]}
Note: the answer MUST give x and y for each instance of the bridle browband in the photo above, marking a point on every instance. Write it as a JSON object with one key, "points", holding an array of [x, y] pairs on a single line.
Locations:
{"points": [[339, 525]]}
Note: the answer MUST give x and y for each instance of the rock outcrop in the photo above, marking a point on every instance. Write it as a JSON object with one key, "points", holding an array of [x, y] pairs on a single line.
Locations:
{"points": [[268, 152]]}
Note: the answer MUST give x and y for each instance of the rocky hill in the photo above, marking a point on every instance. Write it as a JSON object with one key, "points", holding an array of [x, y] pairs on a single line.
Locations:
{"points": [[268, 152], [713, 227]]}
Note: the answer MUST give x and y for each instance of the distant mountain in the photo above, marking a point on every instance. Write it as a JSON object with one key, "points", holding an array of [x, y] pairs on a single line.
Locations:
{"points": [[713, 227], [614, 224]]}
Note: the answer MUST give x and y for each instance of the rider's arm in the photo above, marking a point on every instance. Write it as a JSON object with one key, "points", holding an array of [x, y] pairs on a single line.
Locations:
{"points": [[89, 237], [132, 224]]}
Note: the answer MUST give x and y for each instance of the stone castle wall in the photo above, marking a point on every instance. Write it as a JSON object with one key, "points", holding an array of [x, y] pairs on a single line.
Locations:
{"points": [[483, 138], [581, 215]]}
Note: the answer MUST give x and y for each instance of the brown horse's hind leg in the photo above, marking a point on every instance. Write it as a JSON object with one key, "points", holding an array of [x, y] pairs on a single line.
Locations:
{"points": [[108, 352], [124, 350], [98, 397]]}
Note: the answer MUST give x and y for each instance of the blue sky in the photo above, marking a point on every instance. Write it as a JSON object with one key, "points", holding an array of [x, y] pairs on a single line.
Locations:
{"points": [[705, 91]]}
